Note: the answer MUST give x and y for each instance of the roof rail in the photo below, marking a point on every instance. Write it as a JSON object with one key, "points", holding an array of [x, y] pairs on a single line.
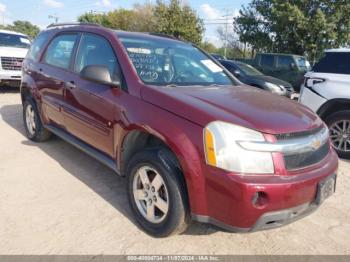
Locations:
{"points": [[166, 36], [68, 24]]}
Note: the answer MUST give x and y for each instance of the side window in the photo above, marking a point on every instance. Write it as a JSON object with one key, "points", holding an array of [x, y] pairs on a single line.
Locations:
{"points": [[95, 50], [37, 46], [59, 52], [230, 67], [267, 60], [284, 62]]}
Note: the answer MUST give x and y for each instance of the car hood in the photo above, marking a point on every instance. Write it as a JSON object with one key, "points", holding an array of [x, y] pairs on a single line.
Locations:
{"points": [[241, 105], [13, 52], [270, 79]]}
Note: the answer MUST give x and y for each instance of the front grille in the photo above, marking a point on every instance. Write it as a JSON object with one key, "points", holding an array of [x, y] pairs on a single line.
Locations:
{"points": [[280, 137], [302, 160], [11, 63], [306, 159]]}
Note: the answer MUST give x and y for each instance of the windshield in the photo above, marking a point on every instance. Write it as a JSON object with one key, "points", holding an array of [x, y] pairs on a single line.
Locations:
{"points": [[302, 62], [334, 63], [168, 62], [11, 40], [248, 69]]}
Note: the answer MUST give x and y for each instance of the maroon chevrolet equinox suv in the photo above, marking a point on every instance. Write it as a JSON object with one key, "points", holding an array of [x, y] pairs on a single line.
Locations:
{"points": [[192, 141]]}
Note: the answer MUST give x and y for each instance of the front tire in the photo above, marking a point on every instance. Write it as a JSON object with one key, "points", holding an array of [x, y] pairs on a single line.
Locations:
{"points": [[34, 128], [157, 194], [339, 128]]}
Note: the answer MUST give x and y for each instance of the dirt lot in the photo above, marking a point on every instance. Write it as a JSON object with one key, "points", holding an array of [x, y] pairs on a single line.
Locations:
{"points": [[54, 199]]}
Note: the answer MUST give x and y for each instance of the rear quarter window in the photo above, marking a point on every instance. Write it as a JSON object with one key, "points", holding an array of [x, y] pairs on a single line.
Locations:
{"points": [[37, 46], [60, 50], [335, 63]]}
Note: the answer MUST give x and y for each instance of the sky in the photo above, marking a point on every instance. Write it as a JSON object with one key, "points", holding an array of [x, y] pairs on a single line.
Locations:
{"points": [[38, 11]]}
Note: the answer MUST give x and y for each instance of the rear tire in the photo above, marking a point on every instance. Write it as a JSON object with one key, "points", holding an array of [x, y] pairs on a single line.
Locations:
{"points": [[157, 194], [339, 128], [34, 128]]}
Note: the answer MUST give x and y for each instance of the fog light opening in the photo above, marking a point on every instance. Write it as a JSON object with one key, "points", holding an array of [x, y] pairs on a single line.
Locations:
{"points": [[260, 199]]}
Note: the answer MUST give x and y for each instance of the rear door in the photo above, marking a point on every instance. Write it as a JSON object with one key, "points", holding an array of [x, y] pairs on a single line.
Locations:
{"points": [[52, 74], [89, 111]]}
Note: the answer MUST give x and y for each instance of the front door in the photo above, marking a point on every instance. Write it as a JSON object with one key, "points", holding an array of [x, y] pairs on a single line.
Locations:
{"points": [[89, 111]]}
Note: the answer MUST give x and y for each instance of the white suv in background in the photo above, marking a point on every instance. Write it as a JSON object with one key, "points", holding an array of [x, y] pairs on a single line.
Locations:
{"points": [[13, 49], [326, 90]]}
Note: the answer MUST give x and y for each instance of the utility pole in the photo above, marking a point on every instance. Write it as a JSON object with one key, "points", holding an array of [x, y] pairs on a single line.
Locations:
{"points": [[3, 18], [226, 16], [224, 21], [226, 32], [56, 18]]}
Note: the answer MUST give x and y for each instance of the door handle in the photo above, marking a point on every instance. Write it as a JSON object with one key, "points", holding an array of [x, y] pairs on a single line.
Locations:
{"points": [[70, 85]]}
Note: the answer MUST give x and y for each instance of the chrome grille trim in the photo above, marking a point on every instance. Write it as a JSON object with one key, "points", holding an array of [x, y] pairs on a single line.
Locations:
{"points": [[11, 63], [290, 146]]}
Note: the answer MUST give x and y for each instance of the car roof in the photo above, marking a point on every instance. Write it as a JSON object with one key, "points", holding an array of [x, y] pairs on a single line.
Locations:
{"points": [[338, 50], [235, 62], [151, 36], [279, 54], [119, 33], [12, 33]]}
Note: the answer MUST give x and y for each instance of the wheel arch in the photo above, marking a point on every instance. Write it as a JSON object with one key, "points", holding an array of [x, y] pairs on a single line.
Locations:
{"points": [[137, 140], [28, 88], [332, 106]]}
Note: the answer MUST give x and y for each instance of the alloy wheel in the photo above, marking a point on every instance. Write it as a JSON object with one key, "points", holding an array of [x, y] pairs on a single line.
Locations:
{"points": [[340, 135], [30, 119], [150, 194]]}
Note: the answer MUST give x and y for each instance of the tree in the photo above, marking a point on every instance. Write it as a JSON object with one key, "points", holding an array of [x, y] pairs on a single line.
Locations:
{"points": [[92, 18], [234, 48], [208, 47], [302, 27], [139, 19], [252, 29], [178, 20], [173, 19], [23, 27]]}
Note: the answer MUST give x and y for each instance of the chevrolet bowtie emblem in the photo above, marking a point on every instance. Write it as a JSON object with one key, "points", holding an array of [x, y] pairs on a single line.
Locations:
{"points": [[316, 144]]}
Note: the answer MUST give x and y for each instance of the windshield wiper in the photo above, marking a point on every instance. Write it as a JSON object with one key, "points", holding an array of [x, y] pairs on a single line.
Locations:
{"points": [[171, 85], [216, 85]]}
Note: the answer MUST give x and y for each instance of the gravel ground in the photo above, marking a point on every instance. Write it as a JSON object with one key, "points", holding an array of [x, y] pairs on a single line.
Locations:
{"points": [[55, 199]]}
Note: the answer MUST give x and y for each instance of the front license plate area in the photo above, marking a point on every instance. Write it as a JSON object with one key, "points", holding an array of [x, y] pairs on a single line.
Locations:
{"points": [[325, 189]]}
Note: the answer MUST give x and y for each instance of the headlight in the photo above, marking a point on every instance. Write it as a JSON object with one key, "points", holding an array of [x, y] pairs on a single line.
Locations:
{"points": [[310, 82], [274, 88], [223, 151]]}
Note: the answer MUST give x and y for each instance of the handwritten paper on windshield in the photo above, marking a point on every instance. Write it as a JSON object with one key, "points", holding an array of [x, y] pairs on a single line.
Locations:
{"points": [[211, 66]]}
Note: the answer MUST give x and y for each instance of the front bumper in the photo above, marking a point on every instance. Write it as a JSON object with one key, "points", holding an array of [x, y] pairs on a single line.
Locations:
{"points": [[289, 197], [266, 221], [10, 78], [10, 75], [288, 94], [285, 93]]}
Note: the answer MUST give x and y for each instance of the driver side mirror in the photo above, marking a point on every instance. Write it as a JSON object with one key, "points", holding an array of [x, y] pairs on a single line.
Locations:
{"points": [[99, 74], [236, 73]]}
